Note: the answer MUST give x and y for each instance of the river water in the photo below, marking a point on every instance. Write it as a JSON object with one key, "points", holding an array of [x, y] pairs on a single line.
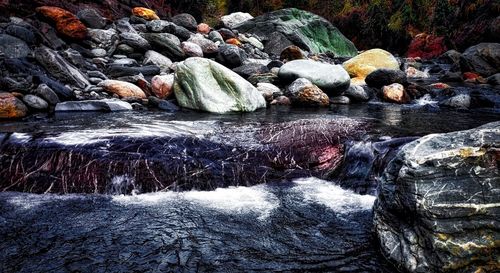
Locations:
{"points": [[302, 225]]}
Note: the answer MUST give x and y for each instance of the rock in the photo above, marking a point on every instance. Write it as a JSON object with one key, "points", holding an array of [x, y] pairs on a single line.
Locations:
{"points": [[11, 107], [168, 44], [185, 20], [281, 100], [251, 40], [167, 106], [66, 22], [115, 71], [162, 85], [24, 33], [123, 25], [426, 46], [304, 93], [145, 13], [58, 67], [215, 36], [205, 85], [124, 62], [231, 56], [181, 32], [450, 57], [35, 102], [382, 77], [358, 93], [451, 77], [340, 100], [250, 69], [47, 94], [267, 90], [107, 105], [92, 18], [365, 63], [106, 39], [192, 49], [292, 53], [395, 93], [122, 89], [482, 58], [462, 101], [99, 52], [12, 47], [494, 79], [308, 31], [234, 41], [159, 26], [437, 206], [135, 41], [226, 34], [207, 46], [412, 72], [332, 79], [203, 28], [234, 19], [154, 58]]}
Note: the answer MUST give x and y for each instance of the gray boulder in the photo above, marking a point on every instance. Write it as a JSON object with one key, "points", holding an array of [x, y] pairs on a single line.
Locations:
{"points": [[92, 18], [332, 79], [135, 41], [185, 20], [13, 47], [168, 44], [47, 94], [35, 102], [438, 203], [154, 58], [483, 58], [205, 85]]}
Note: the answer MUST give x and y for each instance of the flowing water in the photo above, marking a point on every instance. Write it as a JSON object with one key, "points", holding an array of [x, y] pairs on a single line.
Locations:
{"points": [[297, 225]]}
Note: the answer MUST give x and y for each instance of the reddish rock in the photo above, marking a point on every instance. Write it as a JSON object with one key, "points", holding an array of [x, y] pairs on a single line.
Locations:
{"points": [[11, 107], [122, 89], [395, 93], [427, 46], [281, 100], [439, 85], [473, 78], [234, 41], [162, 86], [203, 28], [292, 53], [145, 13], [66, 22]]}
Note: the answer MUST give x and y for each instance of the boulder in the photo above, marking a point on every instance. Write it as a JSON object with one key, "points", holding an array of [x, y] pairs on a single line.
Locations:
{"points": [[308, 31], [250, 69], [135, 41], [145, 13], [365, 63], [438, 203], [426, 46], [66, 22], [12, 47], [292, 53], [382, 77], [115, 71], [162, 85], [107, 105], [122, 89], [168, 44], [154, 58], [462, 101], [92, 18], [395, 93], [234, 19], [358, 93], [185, 20], [205, 85], [25, 33], [11, 107], [332, 79], [105, 39], [47, 94], [159, 26], [203, 28], [304, 93], [192, 49], [494, 79], [35, 102], [268, 90], [482, 58], [207, 46], [231, 56], [58, 67]]}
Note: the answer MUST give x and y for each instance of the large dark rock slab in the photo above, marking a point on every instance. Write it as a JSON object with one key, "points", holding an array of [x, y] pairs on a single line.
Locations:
{"points": [[439, 203], [173, 155]]}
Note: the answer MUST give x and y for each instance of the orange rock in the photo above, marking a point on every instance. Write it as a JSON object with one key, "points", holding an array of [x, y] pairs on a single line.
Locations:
{"points": [[233, 41], [66, 22], [11, 107], [395, 93], [145, 13], [203, 28], [122, 89], [162, 86]]}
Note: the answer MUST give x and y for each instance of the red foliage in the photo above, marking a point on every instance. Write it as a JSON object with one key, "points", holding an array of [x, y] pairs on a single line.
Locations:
{"points": [[426, 46]]}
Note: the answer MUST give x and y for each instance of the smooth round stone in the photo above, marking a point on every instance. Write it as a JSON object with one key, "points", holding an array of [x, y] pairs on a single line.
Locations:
{"points": [[35, 102]]}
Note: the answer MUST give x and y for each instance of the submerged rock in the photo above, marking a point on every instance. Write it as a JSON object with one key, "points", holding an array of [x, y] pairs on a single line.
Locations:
{"points": [[301, 28], [205, 85], [106, 105], [438, 203], [332, 79]]}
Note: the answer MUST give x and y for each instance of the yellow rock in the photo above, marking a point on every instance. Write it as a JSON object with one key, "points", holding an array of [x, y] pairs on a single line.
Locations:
{"points": [[122, 89], [145, 13], [365, 63]]}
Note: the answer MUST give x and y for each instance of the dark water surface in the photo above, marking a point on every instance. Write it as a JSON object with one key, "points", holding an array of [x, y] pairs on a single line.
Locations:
{"points": [[304, 225]]}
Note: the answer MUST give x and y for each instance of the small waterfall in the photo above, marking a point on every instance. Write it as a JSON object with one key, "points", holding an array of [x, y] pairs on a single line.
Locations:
{"points": [[123, 184]]}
